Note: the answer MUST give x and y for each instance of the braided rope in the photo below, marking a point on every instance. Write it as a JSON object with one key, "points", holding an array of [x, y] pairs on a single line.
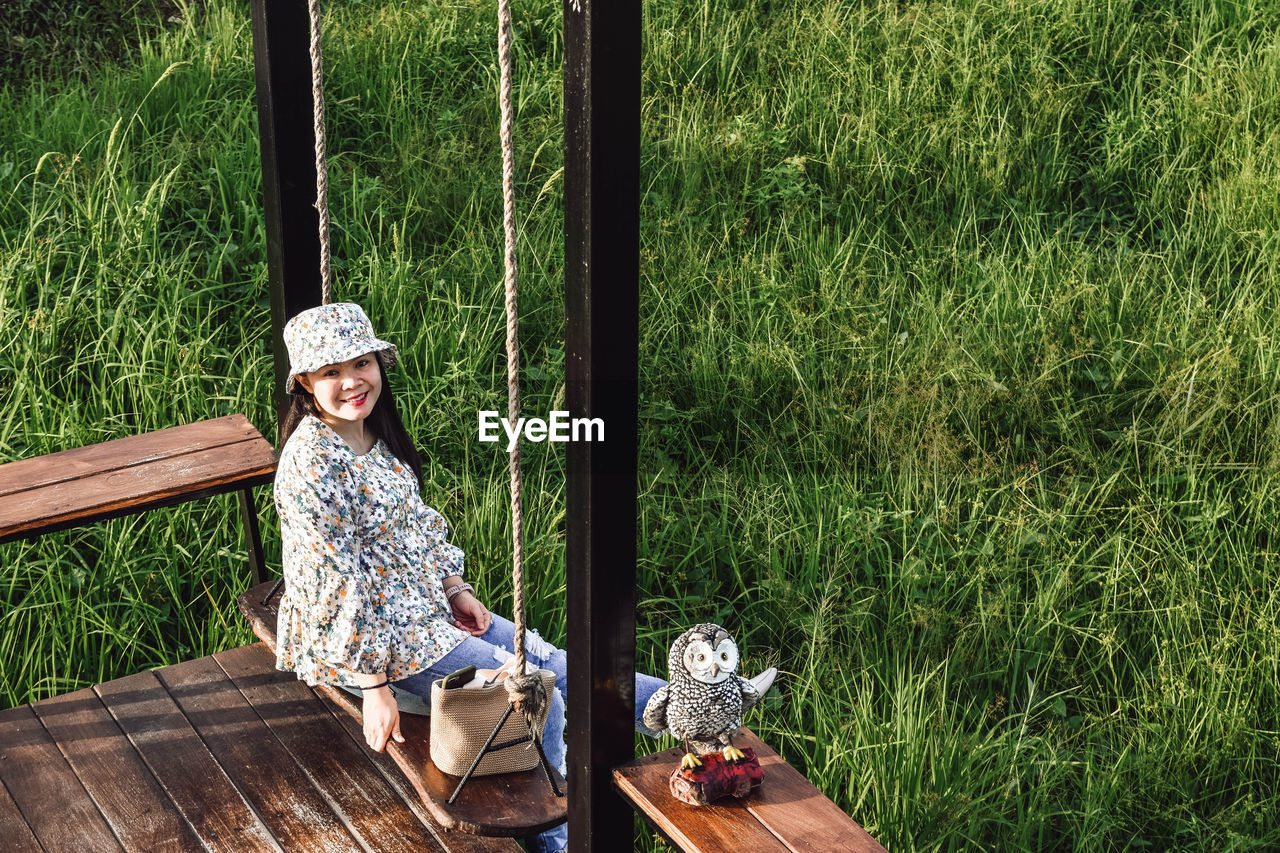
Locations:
{"points": [[526, 692], [322, 169]]}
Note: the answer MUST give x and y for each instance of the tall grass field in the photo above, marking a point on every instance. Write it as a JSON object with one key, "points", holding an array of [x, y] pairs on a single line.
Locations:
{"points": [[960, 367]]}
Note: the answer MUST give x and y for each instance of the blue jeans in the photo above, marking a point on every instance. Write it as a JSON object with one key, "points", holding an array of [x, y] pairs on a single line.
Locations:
{"points": [[495, 648]]}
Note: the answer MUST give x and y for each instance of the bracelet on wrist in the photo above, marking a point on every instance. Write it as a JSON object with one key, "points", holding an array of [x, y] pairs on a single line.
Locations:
{"points": [[386, 683], [454, 591]]}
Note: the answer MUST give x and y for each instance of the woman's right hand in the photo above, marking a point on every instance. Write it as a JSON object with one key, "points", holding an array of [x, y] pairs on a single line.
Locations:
{"points": [[381, 718]]}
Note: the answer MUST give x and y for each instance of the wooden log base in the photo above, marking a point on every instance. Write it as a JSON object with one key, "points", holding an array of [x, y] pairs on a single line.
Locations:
{"points": [[717, 778], [512, 805]]}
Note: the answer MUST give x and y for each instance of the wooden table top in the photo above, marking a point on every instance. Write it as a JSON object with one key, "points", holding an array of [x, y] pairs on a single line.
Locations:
{"points": [[223, 753]]}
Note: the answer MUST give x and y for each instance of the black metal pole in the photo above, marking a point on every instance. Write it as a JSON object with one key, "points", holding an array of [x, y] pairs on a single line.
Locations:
{"points": [[602, 270], [282, 66], [252, 536]]}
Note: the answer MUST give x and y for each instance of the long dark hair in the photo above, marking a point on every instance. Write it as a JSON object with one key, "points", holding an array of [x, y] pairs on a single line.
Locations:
{"points": [[384, 420]]}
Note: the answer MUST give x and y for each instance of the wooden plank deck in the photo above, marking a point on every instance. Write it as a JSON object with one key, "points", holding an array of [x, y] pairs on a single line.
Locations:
{"points": [[223, 753], [512, 804]]}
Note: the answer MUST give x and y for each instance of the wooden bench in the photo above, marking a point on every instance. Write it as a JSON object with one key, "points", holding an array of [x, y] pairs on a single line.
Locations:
{"points": [[512, 805], [139, 473], [784, 815]]}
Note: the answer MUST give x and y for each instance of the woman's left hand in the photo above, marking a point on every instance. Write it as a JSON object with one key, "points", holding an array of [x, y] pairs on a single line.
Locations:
{"points": [[470, 615]]}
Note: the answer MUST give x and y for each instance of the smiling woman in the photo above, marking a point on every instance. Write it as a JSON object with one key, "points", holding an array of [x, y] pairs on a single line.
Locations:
{"points": [[374, 592], [337, 372], [345, 394]]}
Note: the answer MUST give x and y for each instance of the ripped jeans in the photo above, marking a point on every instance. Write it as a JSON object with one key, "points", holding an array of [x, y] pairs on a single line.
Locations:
{"points": [[495, 648]]}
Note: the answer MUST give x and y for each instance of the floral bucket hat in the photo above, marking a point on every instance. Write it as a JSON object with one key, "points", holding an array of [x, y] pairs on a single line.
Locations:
{"points": [[331, 334]]}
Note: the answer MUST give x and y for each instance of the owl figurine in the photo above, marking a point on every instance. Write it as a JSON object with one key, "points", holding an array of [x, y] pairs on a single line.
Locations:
{"points": [[705, 699]]}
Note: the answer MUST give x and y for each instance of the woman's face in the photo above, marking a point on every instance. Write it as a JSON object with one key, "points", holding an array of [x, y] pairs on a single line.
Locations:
{"points": [[346, 391]]}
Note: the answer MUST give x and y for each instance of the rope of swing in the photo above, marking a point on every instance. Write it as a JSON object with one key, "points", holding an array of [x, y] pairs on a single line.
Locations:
{"points": [[525, 692], [322, 167]]}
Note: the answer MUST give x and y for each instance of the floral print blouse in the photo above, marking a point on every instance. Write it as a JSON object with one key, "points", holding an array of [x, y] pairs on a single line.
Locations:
{"points": [[364, 561]]}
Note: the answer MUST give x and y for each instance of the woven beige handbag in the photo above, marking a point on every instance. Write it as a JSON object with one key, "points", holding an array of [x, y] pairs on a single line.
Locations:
{"points": [[462, 718]]}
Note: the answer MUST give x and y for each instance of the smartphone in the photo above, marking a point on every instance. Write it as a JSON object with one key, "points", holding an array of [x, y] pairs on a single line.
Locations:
{"points": [[460, 677]]}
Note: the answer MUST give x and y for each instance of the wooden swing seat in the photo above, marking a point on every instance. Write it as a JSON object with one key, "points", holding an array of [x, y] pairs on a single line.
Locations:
{"points": [[513, 805]]}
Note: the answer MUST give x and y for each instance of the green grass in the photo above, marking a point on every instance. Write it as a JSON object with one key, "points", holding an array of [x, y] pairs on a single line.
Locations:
{"points": [[958, 371], [52, 40]]}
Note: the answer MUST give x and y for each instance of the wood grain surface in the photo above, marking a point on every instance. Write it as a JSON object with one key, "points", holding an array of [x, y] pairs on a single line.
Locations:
{"points": [[294, 812], [113, 455], [786, 813], [13, 829], [338, 766], [723, 825], [223, 753], [115, 776], [795, 810], [54, 805], [178, 759], [511, 805], [132, 474]]}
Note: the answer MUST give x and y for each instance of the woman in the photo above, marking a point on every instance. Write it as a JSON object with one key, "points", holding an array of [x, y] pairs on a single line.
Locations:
{"points": [[374, 592]]}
